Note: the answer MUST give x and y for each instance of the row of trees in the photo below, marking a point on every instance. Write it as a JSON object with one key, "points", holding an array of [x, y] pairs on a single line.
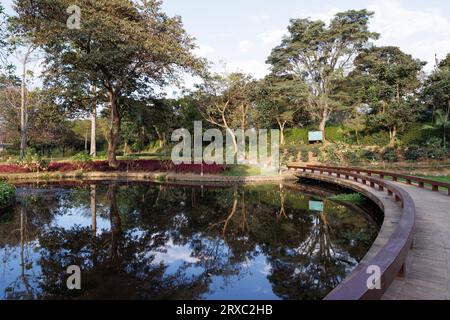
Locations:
{"points": [[124, 51]]}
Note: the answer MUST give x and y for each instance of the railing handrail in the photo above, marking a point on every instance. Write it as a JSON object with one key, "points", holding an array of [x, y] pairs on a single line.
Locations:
{"points": [[421, 182], [391, 257]]}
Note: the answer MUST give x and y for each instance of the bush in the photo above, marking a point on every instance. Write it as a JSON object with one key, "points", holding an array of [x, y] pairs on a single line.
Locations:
{"points": [[315, 151], [332, 154], [434, 149], [390, 155], [334, 134], [7, 194], [380, 138], [369, 155], [413, 153], [34, 161], [82, 160], [304, 152], [352, 157], [82, 157]]}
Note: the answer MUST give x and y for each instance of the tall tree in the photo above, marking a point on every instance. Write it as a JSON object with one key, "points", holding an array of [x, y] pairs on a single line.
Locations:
{"points": [[319, 55], [129, 47], [277, 100], [388, 79], [225, 101], [436, 95]]}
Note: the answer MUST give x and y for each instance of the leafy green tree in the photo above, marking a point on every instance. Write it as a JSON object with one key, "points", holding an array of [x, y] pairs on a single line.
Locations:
{"points": [[388, 79], [441, 123], [277, 100], [436, 95], [436, 89], [128, 47], [319, 55], [225, 101]]}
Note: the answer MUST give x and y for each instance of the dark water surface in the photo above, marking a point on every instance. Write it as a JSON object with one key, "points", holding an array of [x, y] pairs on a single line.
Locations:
{"points": [[149, 241]]}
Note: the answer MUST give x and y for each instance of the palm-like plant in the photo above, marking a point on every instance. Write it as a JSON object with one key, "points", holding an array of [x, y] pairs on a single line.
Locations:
{"points": [[441, 123]]}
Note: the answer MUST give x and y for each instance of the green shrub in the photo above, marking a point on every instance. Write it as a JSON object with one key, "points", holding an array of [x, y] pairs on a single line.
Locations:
{"points": [[332, 154], [334, 134], [413, 153], [434, 149], [296, 136], [390, 155], [7, 194], [82, 157], [348, 197], [304, 152], [413, 135], [352, 157], [82, 160], [315, 151], [34, 161], [380, 138], [369, 155]]}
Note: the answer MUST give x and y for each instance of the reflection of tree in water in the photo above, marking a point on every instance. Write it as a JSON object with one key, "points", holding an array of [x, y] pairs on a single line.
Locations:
{"points": [[224, 229], [17, 238]]}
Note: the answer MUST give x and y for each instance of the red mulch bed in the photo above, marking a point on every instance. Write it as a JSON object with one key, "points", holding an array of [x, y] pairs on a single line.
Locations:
{"points": [[132, 165]]}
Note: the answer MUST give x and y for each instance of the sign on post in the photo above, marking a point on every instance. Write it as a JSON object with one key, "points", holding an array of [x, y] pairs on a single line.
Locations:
{"points": [[315, 136]]}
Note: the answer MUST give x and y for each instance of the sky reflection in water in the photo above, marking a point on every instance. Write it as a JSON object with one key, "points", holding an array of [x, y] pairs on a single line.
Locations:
{"points": [[148, 241]]}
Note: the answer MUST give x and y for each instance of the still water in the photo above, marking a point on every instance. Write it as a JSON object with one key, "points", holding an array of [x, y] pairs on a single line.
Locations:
{"points": [[152, 241]]}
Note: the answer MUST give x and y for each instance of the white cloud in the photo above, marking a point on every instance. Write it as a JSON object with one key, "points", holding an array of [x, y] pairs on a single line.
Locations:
{"points": [[245, 46], [254, 67], [273, 37], [421, 33], [203, 50]]}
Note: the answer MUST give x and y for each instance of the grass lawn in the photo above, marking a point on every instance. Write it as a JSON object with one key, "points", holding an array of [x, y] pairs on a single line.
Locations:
{"points": [[437, 178], [242, 170]]}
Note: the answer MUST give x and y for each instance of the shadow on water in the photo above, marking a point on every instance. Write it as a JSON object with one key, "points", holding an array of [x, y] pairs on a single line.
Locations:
{"points": [[154, 241]]}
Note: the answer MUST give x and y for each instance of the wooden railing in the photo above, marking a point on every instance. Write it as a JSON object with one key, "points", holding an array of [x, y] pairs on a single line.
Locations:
{"points": [[411, 180], [390, 259]]}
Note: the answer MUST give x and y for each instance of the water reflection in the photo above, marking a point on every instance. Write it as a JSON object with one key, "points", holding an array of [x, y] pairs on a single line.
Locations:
{"points": [[147, 241]]}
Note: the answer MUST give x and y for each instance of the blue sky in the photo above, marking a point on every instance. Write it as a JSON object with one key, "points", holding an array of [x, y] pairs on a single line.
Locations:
{"points": [[238, 35], [242, 33]]}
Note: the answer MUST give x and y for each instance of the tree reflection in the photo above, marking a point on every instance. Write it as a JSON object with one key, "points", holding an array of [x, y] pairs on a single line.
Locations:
{"points": [[219, 230]]}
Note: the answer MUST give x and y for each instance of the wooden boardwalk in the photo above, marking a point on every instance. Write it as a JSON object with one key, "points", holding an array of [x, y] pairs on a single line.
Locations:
{"points": [[427, 267], [427, 274]]}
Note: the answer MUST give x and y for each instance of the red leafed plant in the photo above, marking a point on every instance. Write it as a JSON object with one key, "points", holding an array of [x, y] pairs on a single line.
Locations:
{"points": [[124, 166]]}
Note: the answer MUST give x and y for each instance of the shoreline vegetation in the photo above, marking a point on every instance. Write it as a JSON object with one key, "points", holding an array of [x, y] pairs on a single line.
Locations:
{"points": [[7, 194]]}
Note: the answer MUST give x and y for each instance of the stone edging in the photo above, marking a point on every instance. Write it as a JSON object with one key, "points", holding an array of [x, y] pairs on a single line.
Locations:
{"points": [[143, 176]]}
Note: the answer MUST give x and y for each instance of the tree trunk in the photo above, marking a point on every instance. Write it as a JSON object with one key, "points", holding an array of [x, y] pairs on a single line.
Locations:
{"points": [[393, 136], [161, 138], [281, 125], [94, 209], [85, 141], [93, 151], [323, 122], [114, 130], [23, 111], [233, 138]]}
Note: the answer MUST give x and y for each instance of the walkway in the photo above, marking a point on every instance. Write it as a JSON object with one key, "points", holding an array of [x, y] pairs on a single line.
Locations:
{"points": [[427, 267], [428, 263]]}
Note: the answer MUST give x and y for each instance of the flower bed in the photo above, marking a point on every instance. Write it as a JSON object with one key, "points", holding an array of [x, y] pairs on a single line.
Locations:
{"points": [[131, 165]]}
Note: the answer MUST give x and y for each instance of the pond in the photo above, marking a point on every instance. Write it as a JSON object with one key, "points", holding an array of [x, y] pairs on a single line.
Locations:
{"points": [[136, 240]]}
